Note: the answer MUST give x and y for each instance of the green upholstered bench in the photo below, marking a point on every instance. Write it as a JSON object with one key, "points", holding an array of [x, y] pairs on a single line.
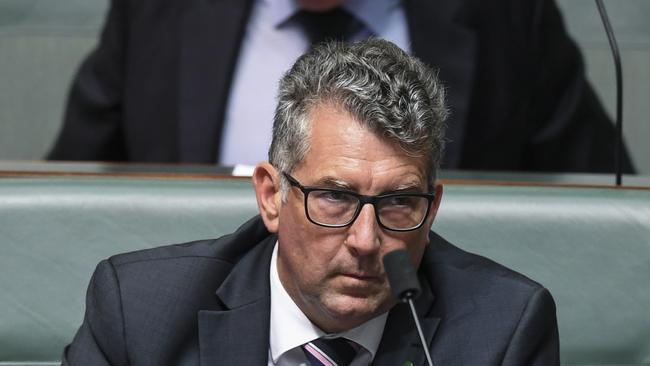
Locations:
{"points": [[589, 246]]}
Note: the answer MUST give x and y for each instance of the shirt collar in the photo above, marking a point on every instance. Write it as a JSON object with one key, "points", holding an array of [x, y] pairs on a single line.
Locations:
{"points": [[373, 13], [290, 328]]}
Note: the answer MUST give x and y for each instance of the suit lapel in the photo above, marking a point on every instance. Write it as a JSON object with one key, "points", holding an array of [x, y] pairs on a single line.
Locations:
{"points": [[400, 342], [238, 334], [441, 39], [210, 36]]}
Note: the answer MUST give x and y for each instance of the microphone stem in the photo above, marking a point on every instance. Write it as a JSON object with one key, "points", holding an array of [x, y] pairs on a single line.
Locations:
{"points": [[425, 346], [618, 147]]}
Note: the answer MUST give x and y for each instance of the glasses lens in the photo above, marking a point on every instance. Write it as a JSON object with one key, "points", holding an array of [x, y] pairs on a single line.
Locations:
{"points": [[331, 207], [402, 212]]}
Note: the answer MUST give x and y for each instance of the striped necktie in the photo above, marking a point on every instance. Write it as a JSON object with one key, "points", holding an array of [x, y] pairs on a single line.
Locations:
{"points": [[329, 352]]}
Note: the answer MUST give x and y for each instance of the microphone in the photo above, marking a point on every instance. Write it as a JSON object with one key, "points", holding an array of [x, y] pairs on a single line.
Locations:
{"points": [[405, 287]]}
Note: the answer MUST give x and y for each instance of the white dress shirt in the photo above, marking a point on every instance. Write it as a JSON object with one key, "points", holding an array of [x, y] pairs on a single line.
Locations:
{"points": [[271, 43], [290, 329]]}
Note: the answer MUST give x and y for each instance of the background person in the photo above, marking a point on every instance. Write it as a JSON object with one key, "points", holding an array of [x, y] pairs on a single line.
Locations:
{"points": [[194, 81]]}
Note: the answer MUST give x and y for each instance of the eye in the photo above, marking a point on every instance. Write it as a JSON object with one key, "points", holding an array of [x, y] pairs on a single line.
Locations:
{"points": [[399, 201], [334, 196]]}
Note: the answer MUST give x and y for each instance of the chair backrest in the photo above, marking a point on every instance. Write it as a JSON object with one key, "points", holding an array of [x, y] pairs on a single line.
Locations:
{"points": [[589, 246]]}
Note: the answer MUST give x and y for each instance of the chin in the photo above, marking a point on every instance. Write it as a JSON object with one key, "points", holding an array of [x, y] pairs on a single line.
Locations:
{"points": [[351, 311]]}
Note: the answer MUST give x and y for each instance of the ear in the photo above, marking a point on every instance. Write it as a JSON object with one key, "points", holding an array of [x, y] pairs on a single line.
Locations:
{"points": [[267, 191], [435, 204]]}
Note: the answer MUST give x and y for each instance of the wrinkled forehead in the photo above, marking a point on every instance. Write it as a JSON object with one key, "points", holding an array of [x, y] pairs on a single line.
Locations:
{"points": [[341, 145]]}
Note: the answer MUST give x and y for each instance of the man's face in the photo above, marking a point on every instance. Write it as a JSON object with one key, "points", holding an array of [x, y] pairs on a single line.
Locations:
{"points": [[336, 275]]}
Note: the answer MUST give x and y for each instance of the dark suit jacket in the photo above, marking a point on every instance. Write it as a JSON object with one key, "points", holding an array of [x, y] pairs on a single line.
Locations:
{"points": [[156, 88], [208, 302]]}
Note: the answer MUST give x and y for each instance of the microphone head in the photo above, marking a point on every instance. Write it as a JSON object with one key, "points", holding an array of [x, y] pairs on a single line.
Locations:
{"points": [[401, 275]]}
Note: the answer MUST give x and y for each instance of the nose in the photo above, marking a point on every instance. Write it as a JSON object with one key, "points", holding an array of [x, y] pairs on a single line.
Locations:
{"points": [[363, 235]]}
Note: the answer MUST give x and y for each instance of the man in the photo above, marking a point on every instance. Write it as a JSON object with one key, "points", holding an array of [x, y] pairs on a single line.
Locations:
{"points": [[357, 139], [187, 81]]}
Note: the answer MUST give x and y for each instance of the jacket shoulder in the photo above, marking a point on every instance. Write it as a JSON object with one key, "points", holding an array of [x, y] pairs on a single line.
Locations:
{"points": [[227, 249], [443, 257]]}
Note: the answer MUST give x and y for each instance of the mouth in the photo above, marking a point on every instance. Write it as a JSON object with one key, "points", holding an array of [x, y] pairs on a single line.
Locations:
{"points": [[360, 285], [363, 277]]}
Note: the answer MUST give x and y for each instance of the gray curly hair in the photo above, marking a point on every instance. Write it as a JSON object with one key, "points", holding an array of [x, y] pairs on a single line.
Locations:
{"points": [[389, 92]]}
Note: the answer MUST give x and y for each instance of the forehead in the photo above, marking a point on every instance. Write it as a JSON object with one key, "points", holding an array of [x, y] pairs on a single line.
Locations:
{"points": [[340, 147]]}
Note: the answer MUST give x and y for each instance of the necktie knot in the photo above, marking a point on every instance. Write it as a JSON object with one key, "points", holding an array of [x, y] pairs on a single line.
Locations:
{"points": [[329, 352], [336, 24]]}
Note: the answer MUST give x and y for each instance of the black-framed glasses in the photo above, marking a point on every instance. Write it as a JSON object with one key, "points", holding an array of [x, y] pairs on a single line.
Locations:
{"points": [[339, 208]]}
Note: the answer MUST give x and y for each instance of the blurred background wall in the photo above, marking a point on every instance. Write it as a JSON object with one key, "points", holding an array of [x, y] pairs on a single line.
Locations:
{"points": [[41, 44], [43, 41]]}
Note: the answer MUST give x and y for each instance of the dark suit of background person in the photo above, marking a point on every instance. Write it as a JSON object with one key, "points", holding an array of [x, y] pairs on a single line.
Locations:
{"points": [[156, 88], [207, 303]]}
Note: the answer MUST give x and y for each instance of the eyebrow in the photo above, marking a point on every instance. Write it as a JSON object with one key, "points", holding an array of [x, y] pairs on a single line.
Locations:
{"points": [[333, 182], [406, 188]]}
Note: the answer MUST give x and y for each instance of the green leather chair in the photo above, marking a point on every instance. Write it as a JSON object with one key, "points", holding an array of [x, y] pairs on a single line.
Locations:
{"points": [[589, 246]]}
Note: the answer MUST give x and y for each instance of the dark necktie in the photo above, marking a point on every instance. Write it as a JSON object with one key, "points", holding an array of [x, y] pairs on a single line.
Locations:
{"points": [[336, 24], [329, 352]]}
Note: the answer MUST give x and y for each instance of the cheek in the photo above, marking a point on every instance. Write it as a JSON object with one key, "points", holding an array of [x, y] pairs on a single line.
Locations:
{"points": [[417, 245], [414, 242], [309, 250]]}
